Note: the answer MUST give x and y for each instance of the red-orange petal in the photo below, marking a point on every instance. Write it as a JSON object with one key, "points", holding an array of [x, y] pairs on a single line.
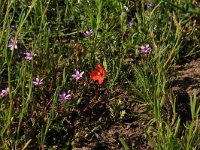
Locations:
{"points": [[94, 75], [100, 80], [99, 67], [101, 70], [98, 74]]}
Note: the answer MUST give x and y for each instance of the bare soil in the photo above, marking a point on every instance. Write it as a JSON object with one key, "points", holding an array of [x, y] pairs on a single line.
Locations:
{"points": [[186, 81], [187, 77]]}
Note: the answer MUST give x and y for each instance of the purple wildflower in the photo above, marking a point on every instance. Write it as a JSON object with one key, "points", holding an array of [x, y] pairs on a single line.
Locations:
{"points": [[4, 92], [65, 96], [145, 49], [28, 55], [13, 26], [88, 32], [12, 43], [150, 5], [77, 75], [130, 23], [37, 82]]}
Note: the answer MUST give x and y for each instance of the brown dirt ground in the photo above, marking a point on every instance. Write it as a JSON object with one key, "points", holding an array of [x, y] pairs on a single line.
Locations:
{"points": [[131, 129], [186, 81], [188, 77], [186, 84]]}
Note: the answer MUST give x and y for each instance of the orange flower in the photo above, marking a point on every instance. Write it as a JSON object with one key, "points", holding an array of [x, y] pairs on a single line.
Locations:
{"points": [[98, 74]]}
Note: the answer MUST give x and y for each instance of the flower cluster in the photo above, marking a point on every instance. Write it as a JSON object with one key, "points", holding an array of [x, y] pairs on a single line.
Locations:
{"points": [[12, 44], [97, 74], [4, 92]]}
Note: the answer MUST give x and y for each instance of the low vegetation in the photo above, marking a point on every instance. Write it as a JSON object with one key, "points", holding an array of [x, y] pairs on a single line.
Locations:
{"points": [[98, 74]]}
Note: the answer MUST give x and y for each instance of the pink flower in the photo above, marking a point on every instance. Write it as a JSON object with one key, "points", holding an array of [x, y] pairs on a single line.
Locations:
{"points": [[145, 48], [77, 75], [4, 92], [64, 95], [88, 32], [13, 26], [12, 43], [28, 55], [37, 82]]}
